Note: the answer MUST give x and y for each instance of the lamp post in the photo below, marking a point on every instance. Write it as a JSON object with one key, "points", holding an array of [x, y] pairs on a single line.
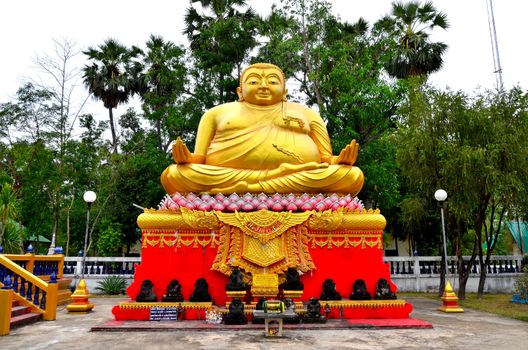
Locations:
{"points": [[80, 296], [441, 196], [449, 298], [89, 197]]}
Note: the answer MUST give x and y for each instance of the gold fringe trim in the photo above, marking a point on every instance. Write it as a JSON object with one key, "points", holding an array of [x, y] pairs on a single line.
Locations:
{"points": [[196, 238], [345, 240], [371, 304], [186, 305]]}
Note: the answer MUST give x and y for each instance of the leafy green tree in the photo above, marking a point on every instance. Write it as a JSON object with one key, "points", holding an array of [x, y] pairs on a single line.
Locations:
{"points": [[109, 78], [110, 240], [221, 38], [338, 67], [410, 25], [294, 34], [475, 149], [163, 82], [30, 117]]}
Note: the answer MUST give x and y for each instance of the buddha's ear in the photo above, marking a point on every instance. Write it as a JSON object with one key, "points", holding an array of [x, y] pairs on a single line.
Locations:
{"points": [[284, 97], [239, 93]]}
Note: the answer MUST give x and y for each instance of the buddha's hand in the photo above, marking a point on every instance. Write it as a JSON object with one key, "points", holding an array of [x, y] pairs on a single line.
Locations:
{"points": [[180, 152], [348, 155]]}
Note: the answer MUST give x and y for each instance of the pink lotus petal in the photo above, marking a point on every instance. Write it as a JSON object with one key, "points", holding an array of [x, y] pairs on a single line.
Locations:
{"points": [[328, 202], [305, 197], [247, 207], [292, 207], [320, 206], [262, 206], [306, 206], [189, 205], [276, 197], [320, 197], [277, 207], [232, 207], [218, 206]]}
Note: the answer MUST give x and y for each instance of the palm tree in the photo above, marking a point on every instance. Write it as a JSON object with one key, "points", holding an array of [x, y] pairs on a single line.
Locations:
{"points": [[162, 83], [9, 207], [108, 78], [410, 24]]}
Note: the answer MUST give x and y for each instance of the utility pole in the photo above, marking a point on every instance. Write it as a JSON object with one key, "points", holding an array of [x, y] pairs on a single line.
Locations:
{"points": [[494, 46]]}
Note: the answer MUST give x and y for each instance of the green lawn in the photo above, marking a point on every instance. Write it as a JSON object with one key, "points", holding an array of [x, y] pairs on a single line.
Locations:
{"points": [[499, 304]]}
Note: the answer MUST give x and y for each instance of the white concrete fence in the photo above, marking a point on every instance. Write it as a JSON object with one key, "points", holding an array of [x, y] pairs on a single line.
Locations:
{"points": [[410, 274]]}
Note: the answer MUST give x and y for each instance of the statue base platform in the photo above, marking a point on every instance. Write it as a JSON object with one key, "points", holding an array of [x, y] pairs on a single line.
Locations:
{"points": [[338, 245], [335, 309]]}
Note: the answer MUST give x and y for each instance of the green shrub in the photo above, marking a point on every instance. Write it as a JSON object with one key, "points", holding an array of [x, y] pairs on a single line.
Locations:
{"points": [[112, 285], [521, 283], [524, 261], [110, 240]]}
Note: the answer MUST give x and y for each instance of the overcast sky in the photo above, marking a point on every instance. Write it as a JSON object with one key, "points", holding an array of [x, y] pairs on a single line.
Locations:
{"points": [[27, 28]]}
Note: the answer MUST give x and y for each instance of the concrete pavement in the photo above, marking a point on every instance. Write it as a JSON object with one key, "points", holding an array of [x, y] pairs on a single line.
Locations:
{"points": [[469, 330]]}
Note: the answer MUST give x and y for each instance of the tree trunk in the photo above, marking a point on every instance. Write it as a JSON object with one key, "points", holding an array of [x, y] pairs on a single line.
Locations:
{"points": [[463, 270], [112, 130], [160, 141], [2, 230], [479, 222], [483, 274], [68, 227], [482, 279], [462, 282]]}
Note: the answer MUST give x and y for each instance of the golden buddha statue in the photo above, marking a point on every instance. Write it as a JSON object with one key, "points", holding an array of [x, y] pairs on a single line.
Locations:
{"points": [[262, 143]]}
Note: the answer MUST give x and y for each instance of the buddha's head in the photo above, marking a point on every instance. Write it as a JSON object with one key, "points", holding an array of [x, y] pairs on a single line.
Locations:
{"points": [[262, 84]]}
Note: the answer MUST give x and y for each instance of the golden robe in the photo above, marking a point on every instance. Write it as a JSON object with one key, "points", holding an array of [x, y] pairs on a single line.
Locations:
{"points": [[281, 148]]}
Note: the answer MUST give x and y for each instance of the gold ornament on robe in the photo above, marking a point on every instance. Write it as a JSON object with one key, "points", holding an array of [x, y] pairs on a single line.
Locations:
{"points": [[262, 143]]}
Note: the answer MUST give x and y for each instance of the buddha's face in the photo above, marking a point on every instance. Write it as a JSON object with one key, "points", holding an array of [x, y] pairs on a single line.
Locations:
{"points": [[262, 86]]}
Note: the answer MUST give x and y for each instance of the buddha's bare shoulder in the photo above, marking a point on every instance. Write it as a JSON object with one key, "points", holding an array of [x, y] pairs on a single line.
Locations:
{"points": [[224, 107], [299, 109]]}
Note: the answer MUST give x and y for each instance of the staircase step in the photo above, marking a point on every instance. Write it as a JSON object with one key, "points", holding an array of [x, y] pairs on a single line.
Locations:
{"points": [[19, 310], [64, 283], [25, 319], [63, 296]]}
